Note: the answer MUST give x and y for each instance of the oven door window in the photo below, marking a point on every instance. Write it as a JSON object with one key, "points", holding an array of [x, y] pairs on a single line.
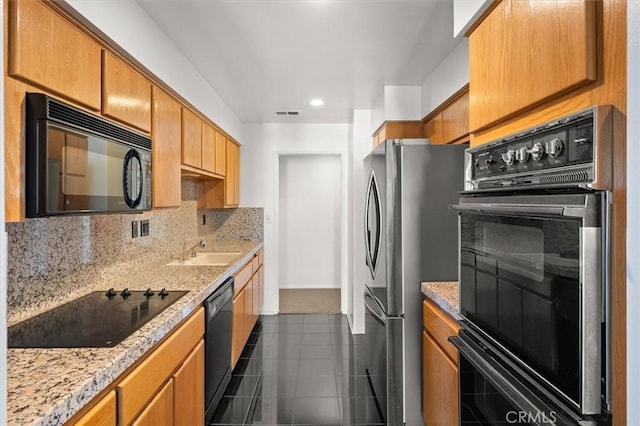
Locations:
{"points": [[520, 283]]}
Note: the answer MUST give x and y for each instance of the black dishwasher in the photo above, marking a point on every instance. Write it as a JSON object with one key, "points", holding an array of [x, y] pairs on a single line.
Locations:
{"points": [[217, 365]]}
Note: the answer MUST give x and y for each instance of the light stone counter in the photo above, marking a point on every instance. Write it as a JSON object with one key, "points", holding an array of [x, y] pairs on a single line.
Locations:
{"points": [[48, 386], [444, 294]]}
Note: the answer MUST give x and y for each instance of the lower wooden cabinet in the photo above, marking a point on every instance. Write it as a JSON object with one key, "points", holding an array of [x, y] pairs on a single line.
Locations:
{"points": [[159, 412], [439, 368], [247, 304], [102, 414], [188, 390]]}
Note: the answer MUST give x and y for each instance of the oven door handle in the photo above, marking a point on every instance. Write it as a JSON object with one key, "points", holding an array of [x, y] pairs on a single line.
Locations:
{"points": [[531, 209]]}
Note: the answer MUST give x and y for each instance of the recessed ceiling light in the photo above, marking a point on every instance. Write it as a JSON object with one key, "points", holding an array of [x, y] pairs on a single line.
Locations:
{"points": [[316, 102]]}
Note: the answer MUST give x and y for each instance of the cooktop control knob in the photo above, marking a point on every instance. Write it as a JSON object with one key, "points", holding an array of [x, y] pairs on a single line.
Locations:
{"points": [[148, 292], [163, 292], [509, 157], [490, 160], [110, 293], [554, 147], [537, 152], [125, 293], [522, 154]]}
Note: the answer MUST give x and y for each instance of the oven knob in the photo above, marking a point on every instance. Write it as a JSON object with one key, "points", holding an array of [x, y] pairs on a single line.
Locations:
{"points": [[522, 154], [509, 157], [490, 160], [537, 152], [554, 147]]}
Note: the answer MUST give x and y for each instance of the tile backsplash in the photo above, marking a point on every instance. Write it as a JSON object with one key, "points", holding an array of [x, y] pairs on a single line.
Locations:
{"points": [[53, 260]]}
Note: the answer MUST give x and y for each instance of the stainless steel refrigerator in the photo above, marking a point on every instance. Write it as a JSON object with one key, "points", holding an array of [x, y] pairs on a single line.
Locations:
{"points": [[410, 236]]}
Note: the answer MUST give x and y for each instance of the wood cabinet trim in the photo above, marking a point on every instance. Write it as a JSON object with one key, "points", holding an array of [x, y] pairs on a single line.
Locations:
{"points": [[451, 99], [482, 17]]}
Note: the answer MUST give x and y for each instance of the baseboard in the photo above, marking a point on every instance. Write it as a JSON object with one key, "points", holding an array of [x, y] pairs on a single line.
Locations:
{"points": [[310, 287], [269, 313]]}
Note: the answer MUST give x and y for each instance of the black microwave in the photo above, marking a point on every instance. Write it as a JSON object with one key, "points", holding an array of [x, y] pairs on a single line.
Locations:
{"points": [[78, 163]]}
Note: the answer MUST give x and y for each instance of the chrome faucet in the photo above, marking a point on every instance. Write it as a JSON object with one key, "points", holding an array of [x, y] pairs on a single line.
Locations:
{"points": [[192, 249]]}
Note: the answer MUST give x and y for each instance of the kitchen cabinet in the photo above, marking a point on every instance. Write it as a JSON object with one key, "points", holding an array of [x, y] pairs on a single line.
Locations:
{"points": [[126, 94], [232, 177], [551, 50], [166, 131], [449, 122], [247, 303], [48, 51], [439, 368], [208, 160], [152, 375], [191, 139], [159, 412], [221, 154], [102, 414], [188, 390], [397, 130]]}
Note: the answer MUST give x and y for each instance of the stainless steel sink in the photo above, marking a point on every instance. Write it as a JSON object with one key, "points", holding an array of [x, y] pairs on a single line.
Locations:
{"points": [[208, 259]]}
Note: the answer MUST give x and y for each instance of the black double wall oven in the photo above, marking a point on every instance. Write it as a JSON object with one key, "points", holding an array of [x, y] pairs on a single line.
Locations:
{"points": [[533, 229]]}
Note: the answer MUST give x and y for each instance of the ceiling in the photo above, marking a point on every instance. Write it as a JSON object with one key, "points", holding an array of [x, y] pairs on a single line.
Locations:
{"points": [[263, 56]]}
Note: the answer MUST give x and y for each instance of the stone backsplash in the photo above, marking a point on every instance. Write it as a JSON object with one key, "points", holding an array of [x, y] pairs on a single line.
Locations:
{"points": [[57, 259]]}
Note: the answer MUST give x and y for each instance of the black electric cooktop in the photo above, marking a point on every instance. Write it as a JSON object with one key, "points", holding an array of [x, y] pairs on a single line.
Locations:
{"points": [[97, 320]]}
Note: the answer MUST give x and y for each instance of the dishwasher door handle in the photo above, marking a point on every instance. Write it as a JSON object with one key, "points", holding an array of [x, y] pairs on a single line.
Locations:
{"points": [[219, 298]]}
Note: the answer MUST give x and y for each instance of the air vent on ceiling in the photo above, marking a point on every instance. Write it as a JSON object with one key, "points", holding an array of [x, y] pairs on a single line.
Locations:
{"points": [[287, 112]]}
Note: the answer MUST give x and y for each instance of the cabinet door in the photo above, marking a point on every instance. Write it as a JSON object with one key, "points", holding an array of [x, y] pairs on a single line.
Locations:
{"points": [[159, 412], [455, 119], [166, 131], [208, 148], [47, 50], [258, 291], [191, 139], [102, 414], [221, 154], [232, 178], [126, 94], [439, 385], [526, 52], [238, 327], [188, 390], [250, 316]]}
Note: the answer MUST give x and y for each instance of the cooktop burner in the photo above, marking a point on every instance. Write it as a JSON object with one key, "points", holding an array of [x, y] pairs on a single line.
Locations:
{"points": [[97, 320]]}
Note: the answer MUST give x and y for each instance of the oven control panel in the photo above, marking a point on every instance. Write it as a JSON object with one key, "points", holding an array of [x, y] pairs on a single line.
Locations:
{"points": [[560, 152]]}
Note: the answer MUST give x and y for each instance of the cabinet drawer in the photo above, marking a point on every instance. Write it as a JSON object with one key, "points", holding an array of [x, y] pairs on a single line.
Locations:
{"points": [[242, 277], [138, 387], [440, 326]]}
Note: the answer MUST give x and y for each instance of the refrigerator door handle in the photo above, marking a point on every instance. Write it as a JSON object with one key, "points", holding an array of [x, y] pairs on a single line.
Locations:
{"points": [[374, 308], [372, 252]]}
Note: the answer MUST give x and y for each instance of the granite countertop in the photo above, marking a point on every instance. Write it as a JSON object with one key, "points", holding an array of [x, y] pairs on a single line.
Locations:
{"points": [[444, 294], [48, 386]]}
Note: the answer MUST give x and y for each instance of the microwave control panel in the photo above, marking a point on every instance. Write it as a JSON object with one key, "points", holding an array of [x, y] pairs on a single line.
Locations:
{"points": [[556, 147]]}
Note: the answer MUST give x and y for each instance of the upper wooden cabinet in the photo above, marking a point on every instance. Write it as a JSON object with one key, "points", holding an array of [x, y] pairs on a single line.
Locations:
{"points": [[48, 51], [126, 94], [208, 160], [221, 154], [397, 130], [166, 132], [526, 52], [191, 139], [449, 122], [232, 178]]}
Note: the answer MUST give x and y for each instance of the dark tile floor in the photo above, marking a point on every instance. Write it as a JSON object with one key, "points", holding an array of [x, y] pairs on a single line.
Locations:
{"points": [[300, 370]]}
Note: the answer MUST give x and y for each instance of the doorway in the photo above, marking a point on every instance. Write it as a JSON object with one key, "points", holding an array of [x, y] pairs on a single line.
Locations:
{"points": [[310, 233]]}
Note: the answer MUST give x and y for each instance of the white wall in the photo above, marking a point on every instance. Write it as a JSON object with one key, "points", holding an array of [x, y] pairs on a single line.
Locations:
{"points": [[447, 78], [402, 103], [359, 148], [259, 168], [633, 212], [465, 13], [130, 27], [3, 255], [310, 221]]}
